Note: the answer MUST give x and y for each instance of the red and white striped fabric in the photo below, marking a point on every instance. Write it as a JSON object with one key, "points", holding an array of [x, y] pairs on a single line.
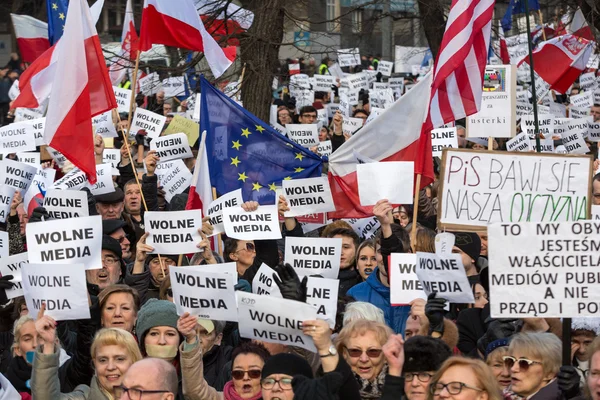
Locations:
{"points": [[224, 19], [460, 64], [32, 36], [177, 24], [80, 91], [579, 26], [559, 61], [382, 140], [504, 56], [200, 195], [130, 43]]}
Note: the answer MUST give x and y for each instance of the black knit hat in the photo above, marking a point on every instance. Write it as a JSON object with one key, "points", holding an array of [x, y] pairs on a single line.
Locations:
{"points": [[110, 244], [424, 353], [288, 364], [174, 257], [469, 242]]}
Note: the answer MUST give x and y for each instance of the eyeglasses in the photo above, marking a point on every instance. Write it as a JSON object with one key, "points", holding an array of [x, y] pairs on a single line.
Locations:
{"points": [[134, 394], [239, 374], [452, 388], [110, 261], [122, 239], [269, 383], [524, 363], [356, 353], [249, 247], [421, 376]]}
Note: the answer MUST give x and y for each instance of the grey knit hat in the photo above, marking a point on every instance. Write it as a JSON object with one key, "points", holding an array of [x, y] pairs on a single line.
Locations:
{"points": [[155, 313]]}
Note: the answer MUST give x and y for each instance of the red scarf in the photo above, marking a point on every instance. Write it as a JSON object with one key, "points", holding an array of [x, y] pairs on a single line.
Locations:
{"points": [[230, 393]]}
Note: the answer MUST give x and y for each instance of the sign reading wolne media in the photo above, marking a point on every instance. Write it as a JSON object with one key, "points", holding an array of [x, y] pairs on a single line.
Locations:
{"points": [[482, 187]]}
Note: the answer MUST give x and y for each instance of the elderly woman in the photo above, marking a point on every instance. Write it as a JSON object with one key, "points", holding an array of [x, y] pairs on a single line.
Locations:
{"points": [[113, 352], [495, 360], [464, 379], [119, 305], [534, 359], [360, 342]]}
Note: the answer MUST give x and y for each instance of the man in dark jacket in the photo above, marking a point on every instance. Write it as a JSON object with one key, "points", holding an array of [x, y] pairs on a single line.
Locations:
{"points": [[348, 275], [214, 354]]}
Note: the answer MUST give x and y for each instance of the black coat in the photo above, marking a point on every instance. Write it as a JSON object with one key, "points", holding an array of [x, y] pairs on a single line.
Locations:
{"points": [[214, 361], [471, 326]]}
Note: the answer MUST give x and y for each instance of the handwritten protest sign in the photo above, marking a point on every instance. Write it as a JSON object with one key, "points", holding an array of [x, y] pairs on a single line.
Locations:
{"points": [[479, 188], [264, 284], [6, 196], [3, 245], [551, 266], [307, 196], [314, 256], [215, 209], [16, 174], [206, 294], [104, 183], [175, 179], [323, 294], [15, 138], [171, 147], [445, 275], [62, 204], [62, 288], [104, 126], [13, 266], [374, 183], [173, 86], [123, 97], [66, 241], [306, 135], [348, 57], [187, 126], [521, 142], [404, 282], [269, 319], [174, 232], [253, 225], [151, 122], [442, 138]]}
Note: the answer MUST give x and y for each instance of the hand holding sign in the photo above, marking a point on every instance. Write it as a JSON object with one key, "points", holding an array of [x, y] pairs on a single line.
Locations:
{"points": [[186, 325], [320, 333], [151, 161], [46, 328], [289, 284]]}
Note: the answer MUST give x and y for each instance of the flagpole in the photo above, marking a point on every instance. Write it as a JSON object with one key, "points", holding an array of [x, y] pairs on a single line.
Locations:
{"points": [[532, 72], [542, 24], [413, 234]]}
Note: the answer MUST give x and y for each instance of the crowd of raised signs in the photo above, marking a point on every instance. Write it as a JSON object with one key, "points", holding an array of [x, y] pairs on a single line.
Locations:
{"points": [[121, 293]]}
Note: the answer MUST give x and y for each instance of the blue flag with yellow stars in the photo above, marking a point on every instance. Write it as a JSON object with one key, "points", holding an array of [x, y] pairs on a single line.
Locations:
{"points": [[57, 16], [244, 152]]}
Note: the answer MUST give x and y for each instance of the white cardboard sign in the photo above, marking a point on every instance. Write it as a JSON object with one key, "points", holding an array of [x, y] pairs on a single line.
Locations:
{"points": [[442, 138], [323, 83], [13, 266], [31, 158], [385, 67], [323, 294], [75, 179], [173, 232], [306, 135], [351, 125], [123, 97], [263, 282], [16, 138], [16, 174], [215, 209], [445, 275], [404, 282], [307, 196], [314, 256], [174, 86], [325, 148], [253, 225], [374, 182], [174, 180], [104, 183], [171, 147], [6, 196], [104, 126], [521, 142], [62, 204], [582, 100], [348, 57], [151, 122], [3, 244]]}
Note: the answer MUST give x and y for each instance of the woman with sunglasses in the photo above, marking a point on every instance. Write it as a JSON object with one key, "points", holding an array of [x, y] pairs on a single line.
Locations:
{"points": [[361, 343], [462, 378], [533, 359]]}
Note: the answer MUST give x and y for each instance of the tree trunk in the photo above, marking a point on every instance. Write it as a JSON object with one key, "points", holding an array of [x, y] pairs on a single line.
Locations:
{"points": [[434, 23], [260, 54]]}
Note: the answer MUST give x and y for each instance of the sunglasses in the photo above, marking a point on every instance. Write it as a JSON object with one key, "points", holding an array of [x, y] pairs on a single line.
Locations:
{"points": [[239, 374], [524, 363], [356, 353], [249, 247]]}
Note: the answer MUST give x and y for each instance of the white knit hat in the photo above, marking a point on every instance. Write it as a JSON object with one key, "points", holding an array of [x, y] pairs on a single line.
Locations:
{"points": [[587, 324]]}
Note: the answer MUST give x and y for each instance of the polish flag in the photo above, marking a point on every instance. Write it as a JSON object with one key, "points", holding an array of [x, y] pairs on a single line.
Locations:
{"points": [[504, 56], [130, 43], [382, 140], [200, 195], [80, 91], [224, 19], [177, 24], [32, 36], [559, 61], [579, 26]]}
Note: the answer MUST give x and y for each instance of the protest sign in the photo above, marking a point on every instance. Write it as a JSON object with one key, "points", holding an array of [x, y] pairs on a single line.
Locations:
{"points": [[208, 295], [497, 114], [43, 178], [253, 225], [344, 106], [519, 143], [405, 285], [442, 138], [16, 174], [588, 81], [385, 67], [323, 83], [577, 112], [336, 71], [62, 204], [149, 85], [545, 121], [323, 294], [148, 121], [36, 126], [31, 158], [374, 182], [264, 284], [14, 91], [62, 288], [314, 256], [380, 86], [190, 128], [229, 268], [364, 227], [15, 138], [522, 96], [196, 107], [123, 97], [523, 109], [13, 266], [174, 180], [325, 148], [307, 196], [558, 110], [351, 125], [104, 126], [28, 114], [306, 135], [73, 180], [66, 241], [445, 275], [348, 57], [173, 232], [112, 157], [215, 209], [382, 98], [171, 147], [269, 319], [479, 188], [546, 145], [566, 251], [173, 86], [573, 140], [57, 156], [397, 85], [375, 112], [104, 183], [3, 244], [593, 131], [582, 100]]}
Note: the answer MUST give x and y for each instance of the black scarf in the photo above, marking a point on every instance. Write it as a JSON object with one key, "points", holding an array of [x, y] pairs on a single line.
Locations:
{"points": [[19, 372]]}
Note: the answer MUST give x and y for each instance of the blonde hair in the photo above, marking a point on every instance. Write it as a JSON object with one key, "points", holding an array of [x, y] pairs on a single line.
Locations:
{"points": [[486, 380], [593, 348], [545, 346], [116, 337], [360, 327], [17, 330]]}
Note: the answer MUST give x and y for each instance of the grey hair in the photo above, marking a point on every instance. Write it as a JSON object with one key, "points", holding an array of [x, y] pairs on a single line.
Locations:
{"points": [[545, 346], [17, 329], [362, 310]]}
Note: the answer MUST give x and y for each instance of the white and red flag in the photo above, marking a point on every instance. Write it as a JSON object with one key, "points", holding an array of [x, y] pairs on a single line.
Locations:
{"points": [[460, 64], [579, 26], [32, 36], [200, 194], [80, 91], [559, 61], [130, 43], [224, 19], [504, 56], [177, 24]]}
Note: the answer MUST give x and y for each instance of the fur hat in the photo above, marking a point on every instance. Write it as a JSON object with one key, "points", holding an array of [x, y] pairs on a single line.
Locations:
{"points": [[424, 353], [586, 324], [288, 364]]}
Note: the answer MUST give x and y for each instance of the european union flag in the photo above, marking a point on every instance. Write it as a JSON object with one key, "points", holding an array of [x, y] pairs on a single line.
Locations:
{"points": [[517, 7], [244, 152], [57, 15]]}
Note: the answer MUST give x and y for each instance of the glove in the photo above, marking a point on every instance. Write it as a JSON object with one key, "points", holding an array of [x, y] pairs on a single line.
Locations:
{"points": [[38, 214], [5, 283], [139, 137], [91, 200], [289, 284], [498, 329], [434, 311], [243, 286], [568, 381]]}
